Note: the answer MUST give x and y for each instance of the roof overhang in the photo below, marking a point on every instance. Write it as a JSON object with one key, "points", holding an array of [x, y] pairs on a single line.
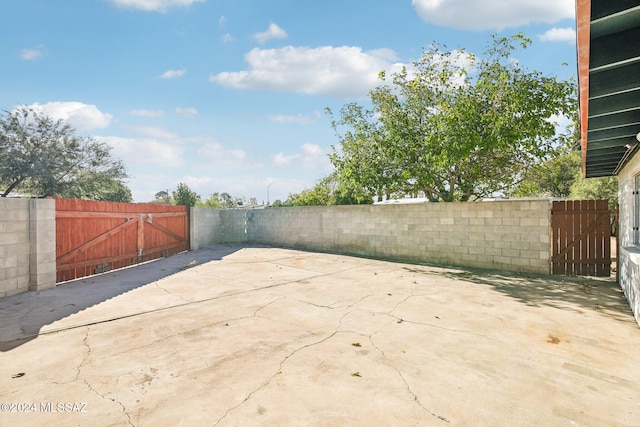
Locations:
{"points": [[608, 41]]}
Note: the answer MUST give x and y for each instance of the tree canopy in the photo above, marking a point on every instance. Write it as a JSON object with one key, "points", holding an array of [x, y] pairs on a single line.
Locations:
{"points": [[163, 197], [184, 196], [553, 178], [328, 191], [213, 202], [45, 158], [561, 177], [454, 126]]}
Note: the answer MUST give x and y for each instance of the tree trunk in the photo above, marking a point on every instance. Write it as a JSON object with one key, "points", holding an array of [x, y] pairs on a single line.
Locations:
{"points": [[11, 187]]}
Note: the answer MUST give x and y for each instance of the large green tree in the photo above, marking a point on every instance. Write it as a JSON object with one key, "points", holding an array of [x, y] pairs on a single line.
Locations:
{"points": [[561, 177], [454, 126], [99, 187], [185, 196], [605, 187], [553, 178], [43, 157]]}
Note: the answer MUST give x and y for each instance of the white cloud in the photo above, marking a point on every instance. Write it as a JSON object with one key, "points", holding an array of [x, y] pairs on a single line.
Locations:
{"points": [[145, 151], [492, 14], [227, 38], [312, 150], [147, 113], [559, 35], [153, 5], [300, 119], [281, 160], [187, 112], [310, 157], [213, 156], [215, 151], [338, 71], [33, 53], [222, 21], [172, 74], [81, 116], [273, 32]]}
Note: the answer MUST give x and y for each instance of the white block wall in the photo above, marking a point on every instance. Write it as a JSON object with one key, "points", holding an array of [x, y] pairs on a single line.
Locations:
{"points": [[507, 235], [27, 245]]}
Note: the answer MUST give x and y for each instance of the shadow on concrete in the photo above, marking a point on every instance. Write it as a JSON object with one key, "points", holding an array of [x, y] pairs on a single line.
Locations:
{"points": [[579, 294], [23, 315]]}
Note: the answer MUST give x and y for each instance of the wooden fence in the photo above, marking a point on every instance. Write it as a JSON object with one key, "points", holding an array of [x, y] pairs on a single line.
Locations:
{"points": [[94, 237], [581, 238]]}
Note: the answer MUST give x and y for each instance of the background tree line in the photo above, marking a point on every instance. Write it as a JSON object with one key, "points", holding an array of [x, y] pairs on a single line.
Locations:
{"points": [[183, 195]]}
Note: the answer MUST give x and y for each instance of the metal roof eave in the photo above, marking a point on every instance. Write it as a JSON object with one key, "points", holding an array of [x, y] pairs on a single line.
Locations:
{"points": [[609, 82]]}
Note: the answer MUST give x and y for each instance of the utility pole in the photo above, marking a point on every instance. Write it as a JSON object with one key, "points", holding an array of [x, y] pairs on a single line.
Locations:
{"points": [[268, 192]]}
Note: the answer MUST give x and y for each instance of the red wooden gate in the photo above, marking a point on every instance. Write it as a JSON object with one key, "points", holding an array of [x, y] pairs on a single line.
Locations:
{"points": [[581, 238], [93, 237]]}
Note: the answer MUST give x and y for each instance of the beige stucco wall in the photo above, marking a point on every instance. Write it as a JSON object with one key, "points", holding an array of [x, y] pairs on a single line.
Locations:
{"points": [[628, 253]]}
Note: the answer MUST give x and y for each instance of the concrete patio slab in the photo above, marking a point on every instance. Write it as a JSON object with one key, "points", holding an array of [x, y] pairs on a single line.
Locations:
{"points": [[258, 336]]}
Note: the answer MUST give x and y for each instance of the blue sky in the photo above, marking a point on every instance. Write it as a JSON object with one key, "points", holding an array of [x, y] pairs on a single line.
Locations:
{"points": [[229, 95]]}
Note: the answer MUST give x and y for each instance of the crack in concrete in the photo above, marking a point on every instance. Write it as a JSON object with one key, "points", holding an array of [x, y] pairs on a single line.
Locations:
{"points": [[269, 379], [444, 328], [208, 325], [432, 325], [86, 356], [316, 305], [157, 284], [417, 400], [262, 307], [90, 387], [390, 363], [284, 360]]}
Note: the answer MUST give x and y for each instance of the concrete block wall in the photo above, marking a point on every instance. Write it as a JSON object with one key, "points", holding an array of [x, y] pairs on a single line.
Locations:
{"points": [[42, 242], [508, 235], [14, 246], [27, 245], [211, 226], [203, 224], [233, 225]]}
